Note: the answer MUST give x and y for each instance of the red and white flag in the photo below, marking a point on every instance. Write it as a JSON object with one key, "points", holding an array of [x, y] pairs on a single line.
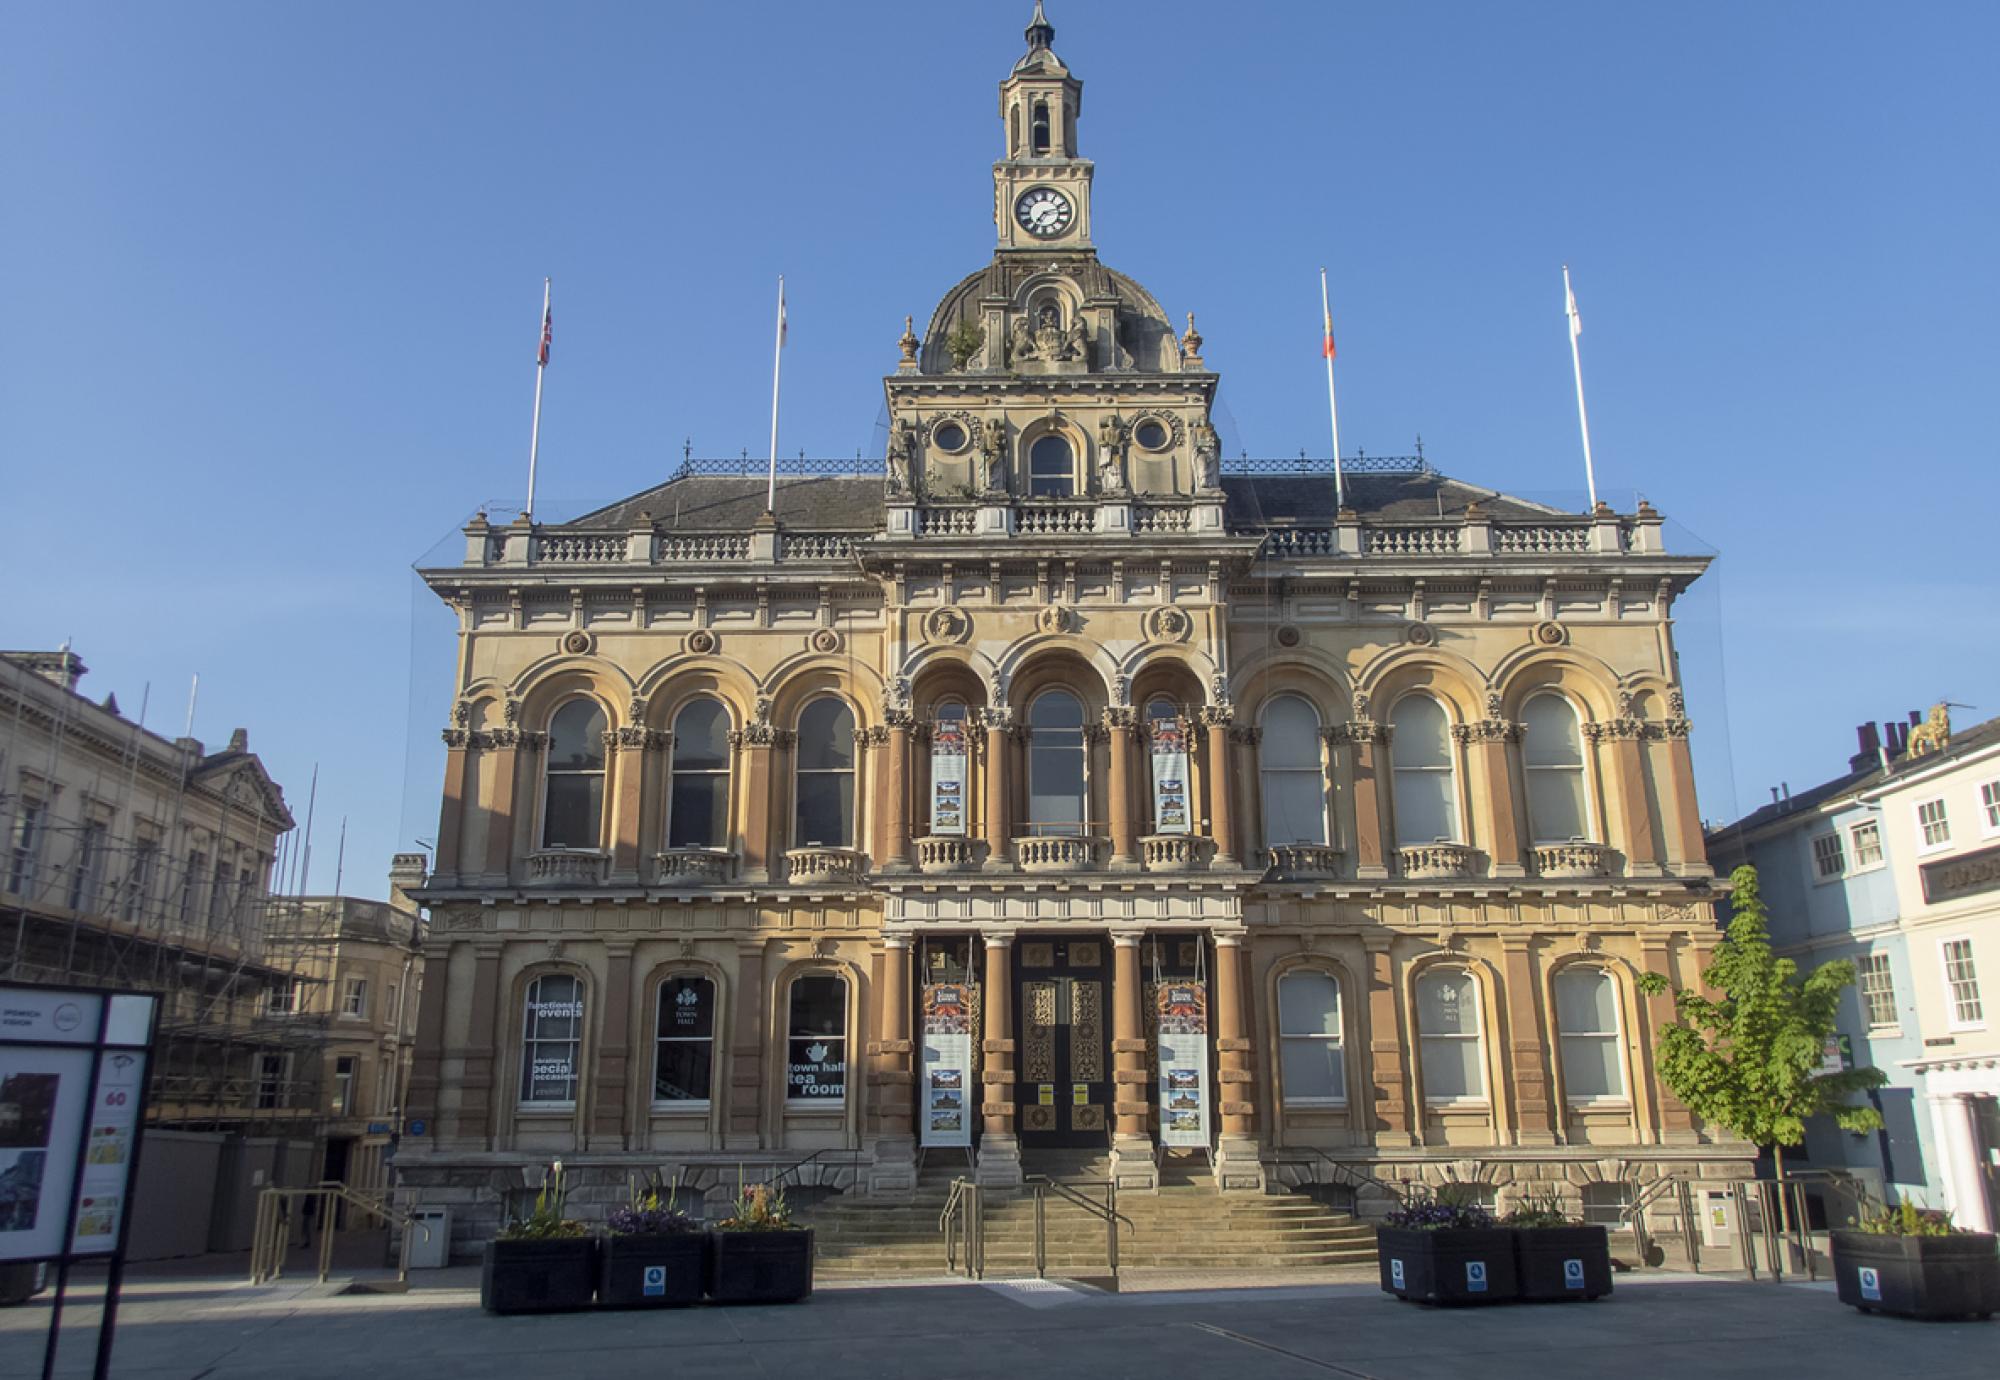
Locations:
{"points": [[1327, 350], [548, 326]]}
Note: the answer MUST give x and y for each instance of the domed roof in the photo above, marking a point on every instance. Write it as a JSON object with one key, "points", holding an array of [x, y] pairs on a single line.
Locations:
{"points": [[1145, 336]]}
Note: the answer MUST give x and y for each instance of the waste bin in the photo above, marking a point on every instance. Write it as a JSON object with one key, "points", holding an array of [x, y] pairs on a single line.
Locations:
{"points": [[430, 1238]]}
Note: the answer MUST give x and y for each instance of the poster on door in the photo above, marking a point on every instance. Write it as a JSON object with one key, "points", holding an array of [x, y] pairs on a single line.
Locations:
{"points": [[1183, 1039], [948, 755], [944, 1096], [1171, 813]]}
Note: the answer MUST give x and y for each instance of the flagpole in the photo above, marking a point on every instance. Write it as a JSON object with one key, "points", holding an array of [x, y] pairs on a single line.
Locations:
{"points": [[1332, 412], [1576, 361], [777, 368], [535, 432]]}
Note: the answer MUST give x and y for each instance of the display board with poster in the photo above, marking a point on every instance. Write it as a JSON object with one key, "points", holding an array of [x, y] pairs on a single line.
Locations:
{"points": [[945, 1093], [1171, 812], [1182, 1014], [948, 758]]}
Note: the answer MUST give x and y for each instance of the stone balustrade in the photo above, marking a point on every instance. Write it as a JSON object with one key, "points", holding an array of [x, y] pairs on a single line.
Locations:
{"points": [[567, 867], [1437, 862], [693, 866], [1174, 852], [1057, 853], [1304, 862], [942, 853], [1571, 861], [842, 866]]}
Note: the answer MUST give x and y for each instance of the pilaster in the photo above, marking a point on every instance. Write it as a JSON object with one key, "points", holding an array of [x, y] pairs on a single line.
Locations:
{"points": [[1133, 1165]]}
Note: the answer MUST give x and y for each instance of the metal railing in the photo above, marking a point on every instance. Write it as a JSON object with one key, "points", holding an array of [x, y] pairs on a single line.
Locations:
{"points": [[1041, 1185], [700, 1180], [964, 1220], [278, 1208]]}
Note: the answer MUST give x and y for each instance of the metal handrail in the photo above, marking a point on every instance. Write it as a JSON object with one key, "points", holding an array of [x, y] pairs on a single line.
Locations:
{"points": [[964, 1216], [271, 1235], [1359, 1177], [1107, 1212]]}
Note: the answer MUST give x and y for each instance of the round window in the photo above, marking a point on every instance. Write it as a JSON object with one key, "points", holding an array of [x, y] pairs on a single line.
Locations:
{"points": [[1152, 434], [948, 436]]}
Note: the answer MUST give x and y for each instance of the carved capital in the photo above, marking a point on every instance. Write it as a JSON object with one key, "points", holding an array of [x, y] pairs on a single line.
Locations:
{"points": [[1095, 733], [1211, 715], [1486, 731], [1120, 716], [761, 735], [998, 716], [1615, 730], [1359, 731], [898, 716], [1249, 735], [635, 737], [1676, 728]]}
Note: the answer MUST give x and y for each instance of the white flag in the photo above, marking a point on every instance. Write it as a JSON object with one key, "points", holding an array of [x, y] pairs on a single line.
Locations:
{"points": [[1575, 319]]}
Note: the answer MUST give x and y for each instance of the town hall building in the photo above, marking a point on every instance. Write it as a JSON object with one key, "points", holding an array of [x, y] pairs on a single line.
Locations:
{"points": [[1059, 787]]}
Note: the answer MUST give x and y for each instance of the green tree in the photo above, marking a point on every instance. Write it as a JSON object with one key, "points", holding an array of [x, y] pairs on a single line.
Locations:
{"points": [[1749, 1060]]}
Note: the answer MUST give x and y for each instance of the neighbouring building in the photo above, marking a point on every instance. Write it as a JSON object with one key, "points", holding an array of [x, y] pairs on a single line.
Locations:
{"points": [[1059, 786]]}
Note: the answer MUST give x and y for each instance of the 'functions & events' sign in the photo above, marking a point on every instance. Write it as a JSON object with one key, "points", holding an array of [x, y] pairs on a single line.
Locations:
{"points": [[1183, 1035], [944, 1107]]}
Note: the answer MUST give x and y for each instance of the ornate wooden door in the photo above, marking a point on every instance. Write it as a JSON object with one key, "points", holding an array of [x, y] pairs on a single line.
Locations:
{"points": [[1063, 1087]]}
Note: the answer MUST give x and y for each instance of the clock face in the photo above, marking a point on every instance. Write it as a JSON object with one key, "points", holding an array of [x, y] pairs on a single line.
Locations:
{"points": [[1044, 212]]}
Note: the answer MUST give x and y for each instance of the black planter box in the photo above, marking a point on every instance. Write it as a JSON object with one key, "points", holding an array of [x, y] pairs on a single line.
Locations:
{"points": [[760, 1266], [1455, 1265], [538, 1276], [651, 1271], [1918, 1276], [1560, 1263]]}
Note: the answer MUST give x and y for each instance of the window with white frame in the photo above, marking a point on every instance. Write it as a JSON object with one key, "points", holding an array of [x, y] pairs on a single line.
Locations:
{"points": [[698, 805], [551, 1041], [824, 773], [1310, 1051], [30, 821], [1051, 468], [1552, 753], [274, 1077], [684, 1054], [1933, 825], [1448, 1039], [286, 998], [1829, 860], [1989, 802], [573, 778], [1961, 982], [139, 879], [1425, 792], [1587, 1022], [354, 997], [87, 865], [816, 1071], [1878, 990], [1293, 777], [343, 1085], [1867, 840], [1058, 799]]}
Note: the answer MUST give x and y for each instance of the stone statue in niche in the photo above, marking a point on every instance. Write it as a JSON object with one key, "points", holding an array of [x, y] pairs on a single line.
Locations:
{"points": [[1050, 342], [1207, 456], [902, 454], [1021, 342], [1113, 437], [1077, 345], [992, 439]]}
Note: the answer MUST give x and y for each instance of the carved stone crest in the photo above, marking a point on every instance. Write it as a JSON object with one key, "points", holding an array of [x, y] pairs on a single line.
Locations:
{"points": [[946, 625], [1055, 619], [1549, 633], [1168, 625], [1420, 635], [826, 640], [1287, 636], [701, 642], [578, 643]]}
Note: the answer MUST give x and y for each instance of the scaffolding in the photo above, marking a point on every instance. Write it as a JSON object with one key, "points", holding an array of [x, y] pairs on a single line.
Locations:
{"points": [[102, 884]]}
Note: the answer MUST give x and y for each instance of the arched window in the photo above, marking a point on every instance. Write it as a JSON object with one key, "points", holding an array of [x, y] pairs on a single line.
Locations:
{"points": [[698, 806], [573, 805], [1056, 799], [1051, 468], [1552, 752], [1041, 125], [551, 1040], [1587, 1024], [817, 1048], [1311, 1059], [825, 776], [1448, 1036], [1289, 766], [1420, 748], [684, 1049]]}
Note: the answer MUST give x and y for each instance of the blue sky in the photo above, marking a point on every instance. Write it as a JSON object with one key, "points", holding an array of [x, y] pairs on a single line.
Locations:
{"points": [[274, 273]]}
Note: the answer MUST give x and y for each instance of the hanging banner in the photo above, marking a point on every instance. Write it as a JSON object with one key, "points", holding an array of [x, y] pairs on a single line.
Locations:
{"points": [[1171, 814], [948, 756], [1183, 1039], [944, 1107]]}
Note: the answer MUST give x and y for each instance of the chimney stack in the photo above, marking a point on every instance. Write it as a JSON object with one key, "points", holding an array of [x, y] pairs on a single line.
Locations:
{"points": [[1868, 744], [406, 873]]}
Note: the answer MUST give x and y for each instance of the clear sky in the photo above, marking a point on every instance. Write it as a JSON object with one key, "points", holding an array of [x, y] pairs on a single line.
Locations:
{"points": [[274, 274]]}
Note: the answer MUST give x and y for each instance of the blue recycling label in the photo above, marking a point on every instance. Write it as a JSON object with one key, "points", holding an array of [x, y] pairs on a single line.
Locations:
{"points": [[656, 1281], [1572, 1274], [1475, 1276], [1871, 1284], [1396, 1273]]}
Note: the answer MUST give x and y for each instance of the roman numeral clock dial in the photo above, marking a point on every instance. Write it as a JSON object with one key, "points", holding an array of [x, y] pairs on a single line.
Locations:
{"points": [[1044, 212]]}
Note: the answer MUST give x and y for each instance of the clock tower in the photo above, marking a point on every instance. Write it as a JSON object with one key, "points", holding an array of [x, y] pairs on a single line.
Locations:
{"points": [[1041, 189]]}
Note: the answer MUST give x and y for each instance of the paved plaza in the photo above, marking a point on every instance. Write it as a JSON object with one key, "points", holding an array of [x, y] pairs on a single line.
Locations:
{"points": [[216, 1328]]}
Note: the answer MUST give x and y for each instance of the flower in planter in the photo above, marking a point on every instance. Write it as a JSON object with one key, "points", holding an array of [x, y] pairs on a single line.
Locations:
{"points": [[546, 1222], [1535, 1212], [649, 1214], [1439, 1214], [1907, 1219], [758, 1207]]}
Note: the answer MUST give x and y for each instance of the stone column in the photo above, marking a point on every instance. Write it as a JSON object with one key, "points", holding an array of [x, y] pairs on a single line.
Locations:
{"points": [[999, 722], [480, 1056], [898, 792], [999, 1147], [1686, 848], [1132, 1162], [1527, 1050], [632, 749], [1237, 1164], [1957, 1125], [753, 755], [451, 817], [1221, 782], [1371, 834], [1628, 778], [1118, 723], [1675, 1124], [745, 1129], [1487, 743], [895, 1169], [1388, 1054], [609, 1110]]}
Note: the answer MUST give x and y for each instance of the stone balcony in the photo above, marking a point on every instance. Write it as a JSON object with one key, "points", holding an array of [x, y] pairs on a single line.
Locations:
{"points": [[833, 866], [1304, 862], [940, 854], [693, 866], [1572, 861], [1437, 862], [1058, 853], [1175, 852], [554, 867]]}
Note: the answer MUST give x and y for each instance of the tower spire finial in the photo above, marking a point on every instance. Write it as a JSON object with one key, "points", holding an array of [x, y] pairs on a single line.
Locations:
{"points": [[1041, 33]]}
